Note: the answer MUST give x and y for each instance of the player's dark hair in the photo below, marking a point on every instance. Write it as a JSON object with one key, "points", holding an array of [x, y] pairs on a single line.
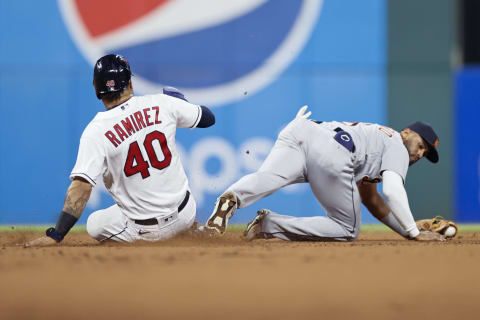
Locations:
{"points": [[110, 97]]}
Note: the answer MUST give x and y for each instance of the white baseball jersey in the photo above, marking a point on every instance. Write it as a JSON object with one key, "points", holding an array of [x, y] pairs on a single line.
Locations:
{"points": [[133, 147], [378, 148]]}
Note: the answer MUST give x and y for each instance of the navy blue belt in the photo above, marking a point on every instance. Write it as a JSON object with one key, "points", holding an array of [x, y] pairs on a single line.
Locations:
{"points": [[153, 221]]}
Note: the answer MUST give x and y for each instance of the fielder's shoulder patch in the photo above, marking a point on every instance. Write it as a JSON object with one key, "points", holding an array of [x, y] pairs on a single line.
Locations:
{"points": [[174, 92], [345, 139]]}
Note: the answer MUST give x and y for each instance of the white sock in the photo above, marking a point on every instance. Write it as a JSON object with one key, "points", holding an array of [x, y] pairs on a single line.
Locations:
{"points": [[390, 221]]}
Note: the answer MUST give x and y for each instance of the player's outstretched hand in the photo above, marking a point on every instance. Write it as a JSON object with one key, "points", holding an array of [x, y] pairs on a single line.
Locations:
{"points": [[429, 236], [301, 113], [40, 242]]}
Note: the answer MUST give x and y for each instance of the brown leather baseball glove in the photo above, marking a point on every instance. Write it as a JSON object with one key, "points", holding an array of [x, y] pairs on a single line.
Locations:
{"points": [[437, 224]]}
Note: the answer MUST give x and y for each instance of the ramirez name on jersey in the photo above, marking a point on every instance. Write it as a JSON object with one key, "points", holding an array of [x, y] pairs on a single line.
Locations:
{"points": [[132, 124]]}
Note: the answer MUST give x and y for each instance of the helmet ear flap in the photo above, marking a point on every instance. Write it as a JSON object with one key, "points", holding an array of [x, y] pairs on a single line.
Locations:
{"points": [[99, 96]]}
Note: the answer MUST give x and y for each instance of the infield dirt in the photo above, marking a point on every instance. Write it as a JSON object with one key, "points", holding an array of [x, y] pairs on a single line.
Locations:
{"points": [[379, 276]]}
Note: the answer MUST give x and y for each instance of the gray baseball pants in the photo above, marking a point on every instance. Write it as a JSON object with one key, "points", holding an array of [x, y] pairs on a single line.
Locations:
{"points": [[306, 151]]}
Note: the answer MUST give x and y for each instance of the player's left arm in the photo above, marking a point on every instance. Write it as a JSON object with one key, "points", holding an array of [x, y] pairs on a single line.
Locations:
{"points": [[374, 202], [189, 115], [89, 166], [75, 201], [77, 197], [372, 199], [207, 118], [193, 116], [396, 199]]}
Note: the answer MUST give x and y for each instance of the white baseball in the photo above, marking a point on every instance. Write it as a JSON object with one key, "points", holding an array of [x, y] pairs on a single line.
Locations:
{"points": [[450, 232]]}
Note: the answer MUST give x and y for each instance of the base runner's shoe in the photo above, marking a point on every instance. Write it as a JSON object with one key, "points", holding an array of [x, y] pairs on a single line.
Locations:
{"points": [[254, 229], [223, 211]]}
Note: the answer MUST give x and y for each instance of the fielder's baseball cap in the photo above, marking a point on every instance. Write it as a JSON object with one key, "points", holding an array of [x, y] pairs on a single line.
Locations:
{"points": [[426, 132]]}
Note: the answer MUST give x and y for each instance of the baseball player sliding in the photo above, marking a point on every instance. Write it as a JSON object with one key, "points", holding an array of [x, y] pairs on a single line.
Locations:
{"points": [[342, 162], [132, 146]]}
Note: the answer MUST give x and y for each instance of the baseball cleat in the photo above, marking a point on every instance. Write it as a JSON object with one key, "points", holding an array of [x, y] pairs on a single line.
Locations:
{"points": [[254, 229], [222, 212]]}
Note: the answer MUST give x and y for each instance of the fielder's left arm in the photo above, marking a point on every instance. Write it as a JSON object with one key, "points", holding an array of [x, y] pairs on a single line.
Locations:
{"points": [[75, 201], [374, 202], [396, 199]]}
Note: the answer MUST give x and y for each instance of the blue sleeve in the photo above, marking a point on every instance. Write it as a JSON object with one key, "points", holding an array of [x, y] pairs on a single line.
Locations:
{"points": [[207, 119]]}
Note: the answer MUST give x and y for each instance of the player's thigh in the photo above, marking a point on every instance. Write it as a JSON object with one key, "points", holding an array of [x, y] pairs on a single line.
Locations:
{"points": [[109, 223], [342, 203], [333, 183], [185, 220], [286, 160], [186, 217]]}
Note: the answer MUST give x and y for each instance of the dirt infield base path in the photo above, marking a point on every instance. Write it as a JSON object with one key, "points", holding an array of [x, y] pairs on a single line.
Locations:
{"points": [[380, 276]]}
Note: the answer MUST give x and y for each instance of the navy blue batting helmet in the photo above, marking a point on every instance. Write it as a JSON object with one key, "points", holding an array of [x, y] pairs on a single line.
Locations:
{"points": [[111, 74]]}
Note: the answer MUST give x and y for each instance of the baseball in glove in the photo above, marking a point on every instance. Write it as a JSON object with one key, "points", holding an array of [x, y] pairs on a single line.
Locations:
{"points": [[438, 224]]}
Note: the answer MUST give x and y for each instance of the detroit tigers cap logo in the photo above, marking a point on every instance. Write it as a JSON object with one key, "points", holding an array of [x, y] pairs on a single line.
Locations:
{"points": [[213, 50]]}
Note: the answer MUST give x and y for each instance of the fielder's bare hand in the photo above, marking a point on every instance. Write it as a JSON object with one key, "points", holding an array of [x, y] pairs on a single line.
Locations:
{"points": [[41, 242], [429, 236], [302, 113]]}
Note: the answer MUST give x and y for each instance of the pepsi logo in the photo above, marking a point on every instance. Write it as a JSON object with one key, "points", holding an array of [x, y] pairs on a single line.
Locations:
{"points": [[213, 50]]}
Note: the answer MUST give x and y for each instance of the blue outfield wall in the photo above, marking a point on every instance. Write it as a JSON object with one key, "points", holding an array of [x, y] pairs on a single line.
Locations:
{"points": [[467, 153], [254, 62]]}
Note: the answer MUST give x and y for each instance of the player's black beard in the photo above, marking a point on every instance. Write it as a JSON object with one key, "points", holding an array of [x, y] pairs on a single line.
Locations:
{"points": [[412, 157], [412, 161]]}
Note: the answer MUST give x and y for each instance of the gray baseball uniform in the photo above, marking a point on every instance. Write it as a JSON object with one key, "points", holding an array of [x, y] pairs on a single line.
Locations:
{"points": [[332, 157]]}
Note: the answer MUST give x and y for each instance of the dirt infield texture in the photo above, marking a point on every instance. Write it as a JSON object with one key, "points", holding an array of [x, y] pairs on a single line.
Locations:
{"points": [[380, 276]]}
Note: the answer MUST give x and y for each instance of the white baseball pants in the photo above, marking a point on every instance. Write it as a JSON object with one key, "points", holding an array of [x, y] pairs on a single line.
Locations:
{"points": [[112, 224]]}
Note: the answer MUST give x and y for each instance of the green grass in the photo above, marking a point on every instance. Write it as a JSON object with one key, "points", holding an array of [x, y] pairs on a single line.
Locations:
{"points": [[382, 228], [36, 228], [231, 228], [469, 227]]}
